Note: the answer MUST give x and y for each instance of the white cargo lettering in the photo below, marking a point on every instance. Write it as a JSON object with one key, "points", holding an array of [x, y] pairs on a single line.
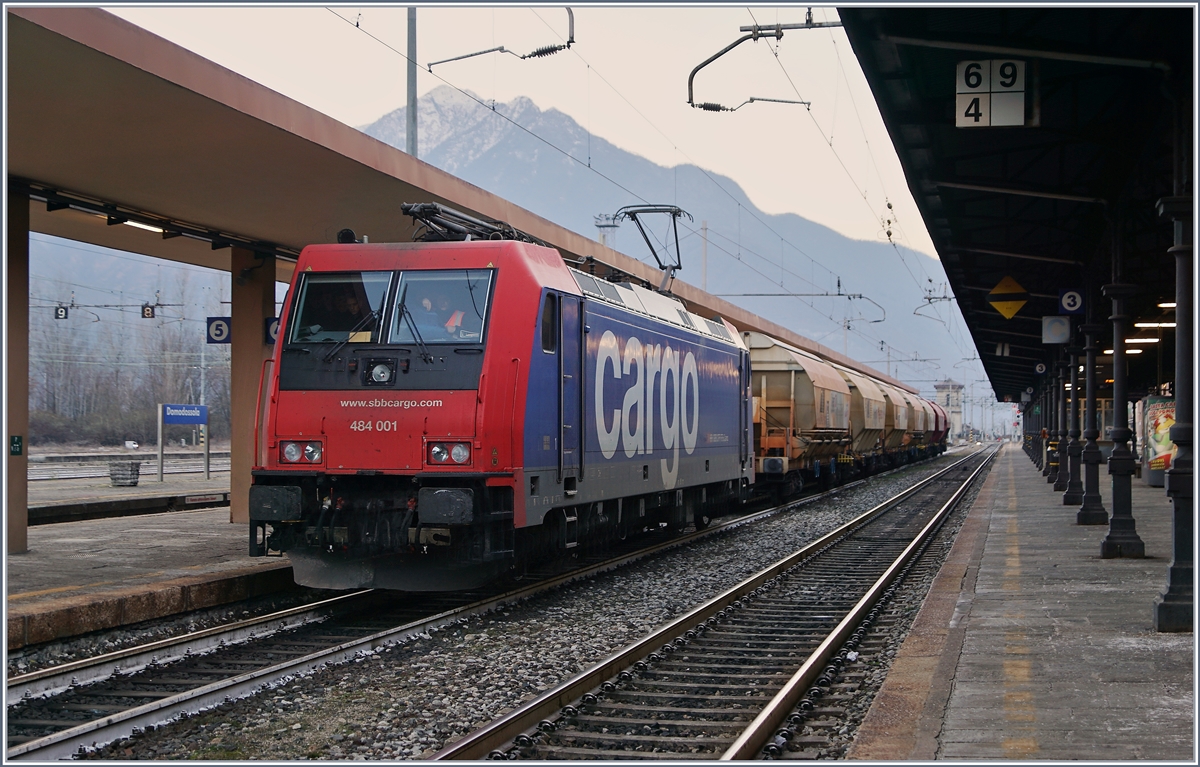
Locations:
{"points": [[632, 431], [653, 368], [691, 381], [608, 351], [678, 396], [669, 419]]}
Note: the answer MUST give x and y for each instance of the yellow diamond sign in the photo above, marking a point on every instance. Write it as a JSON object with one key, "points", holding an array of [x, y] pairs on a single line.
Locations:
{"points": [[1008, 297]]}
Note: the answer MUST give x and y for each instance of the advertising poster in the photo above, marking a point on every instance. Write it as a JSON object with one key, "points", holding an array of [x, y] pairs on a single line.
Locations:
{"points": [[1159, 418]]}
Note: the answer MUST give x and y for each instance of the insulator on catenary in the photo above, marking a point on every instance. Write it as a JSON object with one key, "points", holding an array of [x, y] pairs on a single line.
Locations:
{"points": [[709, 106], [545, 51]]}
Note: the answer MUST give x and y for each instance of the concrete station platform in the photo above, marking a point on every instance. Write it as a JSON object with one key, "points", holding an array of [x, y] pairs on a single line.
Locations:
{"points": [[72, 500], [68, 500], [96, 574], [1032, 647]]}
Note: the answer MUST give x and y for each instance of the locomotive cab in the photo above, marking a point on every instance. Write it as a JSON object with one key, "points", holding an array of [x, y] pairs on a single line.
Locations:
{"points": [[372, 468]]}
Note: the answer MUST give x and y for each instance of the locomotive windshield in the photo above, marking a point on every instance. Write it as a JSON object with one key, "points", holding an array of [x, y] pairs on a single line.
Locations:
{"points": [[341, 307], [443, 306]]}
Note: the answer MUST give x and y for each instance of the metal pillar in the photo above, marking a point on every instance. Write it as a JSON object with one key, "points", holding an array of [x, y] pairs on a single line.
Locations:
{"points": [[1092, 512], [1054, 392], [1028, 428], [1074, 490], [1035, 449], [1043, 432], [16, 270], [1122, 539], [1060, 478], [1173, 609]]}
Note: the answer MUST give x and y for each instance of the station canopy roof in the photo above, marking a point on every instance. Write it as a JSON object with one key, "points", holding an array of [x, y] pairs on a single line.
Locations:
{"points": [[1028, 211]]}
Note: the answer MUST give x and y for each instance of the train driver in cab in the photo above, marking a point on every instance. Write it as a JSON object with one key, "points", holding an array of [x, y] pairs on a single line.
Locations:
{"points": [[436, 320]]}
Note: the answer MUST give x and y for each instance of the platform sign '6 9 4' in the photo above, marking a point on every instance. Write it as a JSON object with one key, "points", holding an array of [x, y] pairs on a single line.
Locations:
{"points": [[989, 93]]}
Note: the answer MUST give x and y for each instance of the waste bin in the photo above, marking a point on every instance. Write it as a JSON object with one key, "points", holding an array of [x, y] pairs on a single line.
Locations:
{"points": [[124, 473]]}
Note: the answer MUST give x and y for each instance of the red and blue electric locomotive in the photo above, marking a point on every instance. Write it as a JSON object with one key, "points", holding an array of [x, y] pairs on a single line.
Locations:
{"points": [[439, 413]]}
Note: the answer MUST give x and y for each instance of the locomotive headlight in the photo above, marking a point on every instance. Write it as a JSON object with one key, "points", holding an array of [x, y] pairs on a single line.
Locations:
{"points": [[291, 451], [443, 452], [312, 452], [379, 371]]}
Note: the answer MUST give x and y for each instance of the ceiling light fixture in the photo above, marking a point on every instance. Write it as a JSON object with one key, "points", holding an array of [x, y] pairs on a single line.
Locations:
{"points": [[140, 225]]}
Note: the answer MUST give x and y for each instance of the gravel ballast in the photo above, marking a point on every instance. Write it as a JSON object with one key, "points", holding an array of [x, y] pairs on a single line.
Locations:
{"points": [[408, 700]]}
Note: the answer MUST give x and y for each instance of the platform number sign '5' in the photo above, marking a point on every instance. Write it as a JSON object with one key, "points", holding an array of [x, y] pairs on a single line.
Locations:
{"points": [[990, 93], [218, 330]]}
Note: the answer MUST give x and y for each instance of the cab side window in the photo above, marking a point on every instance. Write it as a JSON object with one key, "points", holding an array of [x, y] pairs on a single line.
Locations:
{"points": [[550, 324]]}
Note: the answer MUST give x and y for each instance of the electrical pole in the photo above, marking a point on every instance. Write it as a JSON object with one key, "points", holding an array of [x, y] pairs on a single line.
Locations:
{"points": [[411, 129]]}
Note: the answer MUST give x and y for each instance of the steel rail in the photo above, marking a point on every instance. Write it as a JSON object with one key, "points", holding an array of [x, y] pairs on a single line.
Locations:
{"points": [[754, 738], [67, 743], [55, 679], [500, 732]]}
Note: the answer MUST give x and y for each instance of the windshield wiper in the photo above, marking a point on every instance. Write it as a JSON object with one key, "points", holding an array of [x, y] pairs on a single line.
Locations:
{"points": [[426, 357], [374, 315]]}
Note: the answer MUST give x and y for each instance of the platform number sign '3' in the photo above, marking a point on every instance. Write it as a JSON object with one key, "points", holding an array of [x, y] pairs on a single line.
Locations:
{"points": [[990, 93], [1070, 302]]}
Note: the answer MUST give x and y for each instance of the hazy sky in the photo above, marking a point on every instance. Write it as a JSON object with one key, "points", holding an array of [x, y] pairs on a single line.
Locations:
{"points": [[624, 79]]}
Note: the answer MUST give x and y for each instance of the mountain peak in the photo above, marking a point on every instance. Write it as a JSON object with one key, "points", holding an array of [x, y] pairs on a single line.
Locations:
{"points": [[446, 112]]}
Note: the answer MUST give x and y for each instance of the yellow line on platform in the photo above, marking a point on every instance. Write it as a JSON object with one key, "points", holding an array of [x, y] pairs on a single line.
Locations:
{"points": [[1018, 671]]}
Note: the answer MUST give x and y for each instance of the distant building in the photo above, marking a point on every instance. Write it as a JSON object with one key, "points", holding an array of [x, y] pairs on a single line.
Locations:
{"points": [[950, 397]]}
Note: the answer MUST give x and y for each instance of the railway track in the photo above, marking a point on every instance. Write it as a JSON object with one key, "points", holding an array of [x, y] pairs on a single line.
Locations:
{"points": [[742, 674], [56, 713], [61, 709]]}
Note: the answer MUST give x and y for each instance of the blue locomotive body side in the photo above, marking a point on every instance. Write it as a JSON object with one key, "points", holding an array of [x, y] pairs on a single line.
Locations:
{"points": [[657, 410]]}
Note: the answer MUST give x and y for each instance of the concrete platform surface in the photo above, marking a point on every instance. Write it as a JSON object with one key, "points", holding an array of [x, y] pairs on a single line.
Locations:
{"points": [[59, 492], [1032, 647], [70, 500], [84, 576]]}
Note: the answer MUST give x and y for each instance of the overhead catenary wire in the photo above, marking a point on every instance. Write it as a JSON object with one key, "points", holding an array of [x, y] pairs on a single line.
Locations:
{"points": [[828, 139], [685, 155], [586, 162], [593, 169], [575, 50]]}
